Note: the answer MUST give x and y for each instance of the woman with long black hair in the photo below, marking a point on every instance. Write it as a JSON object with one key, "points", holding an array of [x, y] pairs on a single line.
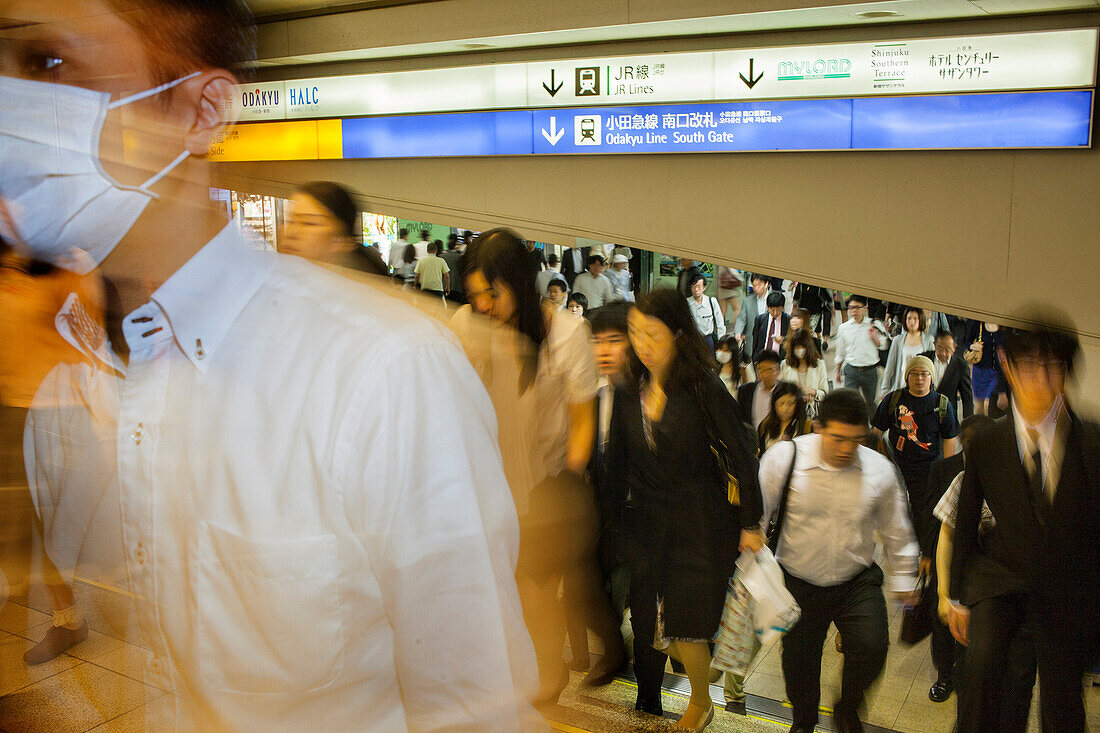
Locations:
{"points": [[687, 518], [537, 366]]}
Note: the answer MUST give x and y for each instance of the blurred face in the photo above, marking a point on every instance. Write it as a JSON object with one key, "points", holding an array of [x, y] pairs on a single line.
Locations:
{"points": [[945, 349], [768, 373], [576, 309], [912, 322], [919, 381], [697, 289], [652, 340], [490, 299], [311, 231], [840, 442], [775, 311], [595, 268], [796, 322], [760, 287], [784, 407], [556, 295], [857, 311], [1036, 381], [609, 349]]}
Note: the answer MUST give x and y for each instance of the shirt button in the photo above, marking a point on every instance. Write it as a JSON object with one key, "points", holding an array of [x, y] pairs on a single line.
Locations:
{"points": [[140, 554], [137, 434]]}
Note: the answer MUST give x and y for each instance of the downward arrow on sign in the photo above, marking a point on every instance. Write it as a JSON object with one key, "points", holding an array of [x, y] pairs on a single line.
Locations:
{"points": [[555, 134], [750, 82]]}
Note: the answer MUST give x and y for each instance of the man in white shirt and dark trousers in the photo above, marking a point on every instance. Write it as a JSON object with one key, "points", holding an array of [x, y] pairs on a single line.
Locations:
{"points": [[859, 343], [705, 310], [840, 495], [594, 285], [397, 249]]}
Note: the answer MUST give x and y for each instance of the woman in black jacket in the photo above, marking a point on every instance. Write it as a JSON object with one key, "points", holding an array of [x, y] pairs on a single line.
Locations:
{"points": [[685, 531]]}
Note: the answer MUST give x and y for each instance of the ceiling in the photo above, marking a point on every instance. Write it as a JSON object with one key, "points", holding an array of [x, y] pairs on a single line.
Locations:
{"points": [[304, 32]]}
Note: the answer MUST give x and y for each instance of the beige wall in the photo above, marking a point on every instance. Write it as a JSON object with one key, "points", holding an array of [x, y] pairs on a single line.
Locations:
{"points": [[969, 232]]}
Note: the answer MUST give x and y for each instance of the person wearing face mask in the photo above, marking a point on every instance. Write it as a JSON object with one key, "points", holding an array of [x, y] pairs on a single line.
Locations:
{"points": [[805, 367], [214, 457], [728, 355], [322, 227]]}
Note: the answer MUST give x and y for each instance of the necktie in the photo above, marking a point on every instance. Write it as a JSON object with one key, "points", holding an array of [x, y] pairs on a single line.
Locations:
{"points": [[771, 335], [1036, 472]]}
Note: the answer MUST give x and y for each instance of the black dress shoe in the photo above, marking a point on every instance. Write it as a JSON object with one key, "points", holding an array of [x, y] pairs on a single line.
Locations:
{"points": [[651, 707], [940, 691], [604, 673], [736, 706], [56, 641]]}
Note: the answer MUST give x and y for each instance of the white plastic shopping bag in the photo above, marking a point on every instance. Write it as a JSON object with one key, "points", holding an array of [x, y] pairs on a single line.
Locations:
{"points": [[733, 645], [773, 608]]}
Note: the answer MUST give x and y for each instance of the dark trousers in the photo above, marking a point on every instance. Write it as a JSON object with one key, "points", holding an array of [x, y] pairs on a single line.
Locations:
{"points": [[1060, 655], [649, 664], [858, 609], [865, 380], [1018, 682]]}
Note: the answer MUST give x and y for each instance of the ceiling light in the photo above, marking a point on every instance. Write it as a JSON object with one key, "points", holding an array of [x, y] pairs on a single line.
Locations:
{"points": [[876, 14]]}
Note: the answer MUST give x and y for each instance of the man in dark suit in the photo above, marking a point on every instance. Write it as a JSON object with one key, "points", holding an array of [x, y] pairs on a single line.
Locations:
{"points": [[751, 307], [573, 263], [755, 398], [1039, 568], [952, 374], [770, 328]]}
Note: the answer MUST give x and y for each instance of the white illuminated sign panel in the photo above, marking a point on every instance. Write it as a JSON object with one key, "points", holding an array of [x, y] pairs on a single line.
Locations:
{"points": [[1043, 60]]}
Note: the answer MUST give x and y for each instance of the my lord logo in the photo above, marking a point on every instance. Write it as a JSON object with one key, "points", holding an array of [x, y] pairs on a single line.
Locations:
{"points": [[814, 69]]}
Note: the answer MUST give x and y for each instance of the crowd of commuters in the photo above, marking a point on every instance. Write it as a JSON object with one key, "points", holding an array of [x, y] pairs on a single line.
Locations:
{"points": [[224, 431]]}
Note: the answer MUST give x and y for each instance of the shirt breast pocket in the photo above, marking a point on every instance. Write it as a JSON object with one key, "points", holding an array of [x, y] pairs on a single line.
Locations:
{"points": [[268, 613]]}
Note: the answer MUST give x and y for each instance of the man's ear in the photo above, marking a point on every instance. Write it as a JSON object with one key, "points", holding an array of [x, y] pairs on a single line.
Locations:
{"points": [[213, 110]]}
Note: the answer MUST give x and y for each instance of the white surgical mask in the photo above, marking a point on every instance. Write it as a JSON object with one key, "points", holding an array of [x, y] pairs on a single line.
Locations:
{"points": [[63, 207], [723, 357], [800, 352]]}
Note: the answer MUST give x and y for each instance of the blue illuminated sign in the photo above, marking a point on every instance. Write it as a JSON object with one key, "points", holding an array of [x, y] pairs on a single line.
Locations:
{"points": [[1004, 120]]}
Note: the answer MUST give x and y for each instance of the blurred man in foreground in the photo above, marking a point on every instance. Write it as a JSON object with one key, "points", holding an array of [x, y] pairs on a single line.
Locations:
{"points": [[233, 448]]}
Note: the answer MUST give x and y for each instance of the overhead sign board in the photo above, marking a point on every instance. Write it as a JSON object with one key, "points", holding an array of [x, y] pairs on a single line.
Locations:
{"points": [[994, 120], [1064, 59]]}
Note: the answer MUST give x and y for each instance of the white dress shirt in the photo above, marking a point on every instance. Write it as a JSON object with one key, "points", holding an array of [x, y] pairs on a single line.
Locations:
{"points": [[1052, 431], [938, 368], [854, 346], [761, 403], [833, 514], [598, 290], [543, 278], [707, 315], [816, 378], [300, 562]]}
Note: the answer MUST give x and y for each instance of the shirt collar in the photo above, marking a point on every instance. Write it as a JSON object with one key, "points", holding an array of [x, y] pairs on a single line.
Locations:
{"points": [[1045, 427], [203, 298]]}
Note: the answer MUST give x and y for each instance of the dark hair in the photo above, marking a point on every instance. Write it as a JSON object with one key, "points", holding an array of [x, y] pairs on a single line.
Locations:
{"points": [[945, 334], [696, 277], [855, 299], [905, 317], [592, 259], [580, 299], [693, 362], [553, 259], [434, 247], [845, 406], [425, 234], [759, 276], [409, 253], [337, 200], [765, 355], [770, 428], [558, 282], [612, 317], [804, 315], [502, 257], [1048, 340], [775, 299], [803, 338], [182, 35], [971, 425], [452, 239], [402, 233]]}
